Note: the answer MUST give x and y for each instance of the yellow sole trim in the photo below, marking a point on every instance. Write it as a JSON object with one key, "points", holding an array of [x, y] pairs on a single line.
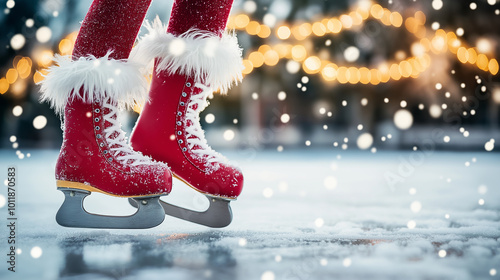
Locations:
{"points": [[81, 186]]}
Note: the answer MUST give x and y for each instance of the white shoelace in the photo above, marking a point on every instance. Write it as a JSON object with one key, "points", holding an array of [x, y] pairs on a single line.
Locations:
{"points": [[119, 143], [195, 134]]}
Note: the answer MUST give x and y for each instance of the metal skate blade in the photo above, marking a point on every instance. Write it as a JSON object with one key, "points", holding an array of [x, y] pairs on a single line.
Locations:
{"points": [[217, 215], [72, 213]]}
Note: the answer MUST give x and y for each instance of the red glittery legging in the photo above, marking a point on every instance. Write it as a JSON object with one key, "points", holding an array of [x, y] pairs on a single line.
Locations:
{"points": [[113, 25]]}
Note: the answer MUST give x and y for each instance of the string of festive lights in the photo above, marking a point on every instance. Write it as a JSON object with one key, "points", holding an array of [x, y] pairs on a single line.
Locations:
{"points": [[298, 55], [23, 66], [440, 43], [21, 69]]}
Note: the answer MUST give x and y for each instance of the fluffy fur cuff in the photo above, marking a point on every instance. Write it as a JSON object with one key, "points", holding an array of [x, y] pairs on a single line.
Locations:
{"points": [[90, 78], [213, 61]]}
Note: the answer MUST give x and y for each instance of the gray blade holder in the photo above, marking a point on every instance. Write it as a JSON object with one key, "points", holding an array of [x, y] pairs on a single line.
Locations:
{"points": [[217, 215], [72, 213]]}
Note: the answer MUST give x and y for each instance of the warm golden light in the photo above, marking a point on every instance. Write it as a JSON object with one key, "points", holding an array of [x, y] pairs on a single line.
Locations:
{"points": [[364, 75], [256, 58], [417, 49], [318, 29], [241, 21], [342, 75], [411, 25], [23, 68], [298, 53], [253, 28], [305, 29], [364, 5], [283, 50], [353, 75], [453, 42], [356, 17], [11, 76], [271, 58], [384, 73], [38, 76], [329, 72], [414, 70], [45, 58], [230, 25], [4, 85], [264, 48], [462, 55], [248, 67], [472, 56], [312, 65], [420, 17], [394, 72], [416, 63], [386, 17], [334, 25], [346, 21], [375, 77], [377, 11], [493, 66], [264, 32], [65, 47], [438, 43], [456, 44], [482, 62], [364, 13], [72, 36], [396, 19], [405, 68], [283, 32]]}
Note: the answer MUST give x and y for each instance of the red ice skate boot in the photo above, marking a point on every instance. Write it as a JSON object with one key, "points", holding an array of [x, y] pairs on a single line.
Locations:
{"points": [[90, 89], [192, 60]]}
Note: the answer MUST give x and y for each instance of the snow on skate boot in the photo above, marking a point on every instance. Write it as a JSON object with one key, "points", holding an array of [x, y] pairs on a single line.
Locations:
{"points": [[188, 68], [89, 90], [95, 156]]}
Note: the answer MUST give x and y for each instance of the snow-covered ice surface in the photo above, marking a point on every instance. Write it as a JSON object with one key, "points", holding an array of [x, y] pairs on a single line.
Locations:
{"points": [[302, 215]]}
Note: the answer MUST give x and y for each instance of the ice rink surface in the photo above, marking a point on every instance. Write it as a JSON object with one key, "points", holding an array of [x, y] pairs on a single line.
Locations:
{"points": [[308, 214]]}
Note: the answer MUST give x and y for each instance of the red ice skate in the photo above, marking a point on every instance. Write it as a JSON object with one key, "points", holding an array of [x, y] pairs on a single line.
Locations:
{"points": [[192, 60], [90, 89]]}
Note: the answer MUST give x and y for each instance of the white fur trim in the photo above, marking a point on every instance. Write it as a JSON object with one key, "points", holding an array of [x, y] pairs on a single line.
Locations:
{"points": [[202, 55], [100, 78]]}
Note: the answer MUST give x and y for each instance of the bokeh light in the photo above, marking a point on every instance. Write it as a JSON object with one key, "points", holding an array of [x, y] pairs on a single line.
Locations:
{"points": [[39, 122], [403, 119]]}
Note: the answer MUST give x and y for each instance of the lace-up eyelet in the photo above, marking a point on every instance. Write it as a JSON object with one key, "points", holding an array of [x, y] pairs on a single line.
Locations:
{"points": [[188, 84], [184, 94], [182, 103], [179, 123], [180, 141], [193, 133], [115, 149], [179, 132], [179, 114]]}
